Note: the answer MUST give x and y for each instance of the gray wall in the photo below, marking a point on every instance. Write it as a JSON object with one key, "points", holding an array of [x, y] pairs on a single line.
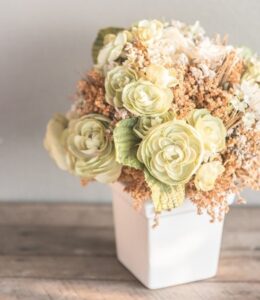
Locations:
{"points": [[45, 48]]}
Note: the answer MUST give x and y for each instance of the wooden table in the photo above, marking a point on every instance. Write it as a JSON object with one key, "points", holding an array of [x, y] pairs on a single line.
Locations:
{"points": [[67, 251]]}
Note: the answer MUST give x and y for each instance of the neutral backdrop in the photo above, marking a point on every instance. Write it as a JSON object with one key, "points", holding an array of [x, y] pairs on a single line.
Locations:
{"points": [[45, 48]]}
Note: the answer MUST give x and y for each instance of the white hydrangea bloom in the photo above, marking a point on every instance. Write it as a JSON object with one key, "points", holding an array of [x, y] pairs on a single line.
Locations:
{"points": [[238, 104], [249, 120], [247, 100]]}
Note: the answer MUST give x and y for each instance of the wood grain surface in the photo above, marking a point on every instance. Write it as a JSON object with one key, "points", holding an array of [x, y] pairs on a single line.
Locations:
{"points": [[67, 252]]}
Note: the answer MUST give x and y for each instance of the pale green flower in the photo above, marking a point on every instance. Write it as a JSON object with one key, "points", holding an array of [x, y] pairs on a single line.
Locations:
{"points": [[195, 115], [112, 49], [207, 175], [55, 142], [89, 142], [108, 38], [172, 152], [145, 124], [146, 30], [252, 65], [211, 129], [253, 72], [143, 98], [115, 81]]}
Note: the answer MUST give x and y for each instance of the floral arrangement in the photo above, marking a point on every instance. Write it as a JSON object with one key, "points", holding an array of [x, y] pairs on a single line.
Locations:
{"points": [[167, 111]]}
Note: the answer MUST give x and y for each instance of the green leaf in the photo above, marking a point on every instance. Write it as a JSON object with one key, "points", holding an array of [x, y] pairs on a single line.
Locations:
{"points": [[126, 143], [98, 43], [165, 197]]}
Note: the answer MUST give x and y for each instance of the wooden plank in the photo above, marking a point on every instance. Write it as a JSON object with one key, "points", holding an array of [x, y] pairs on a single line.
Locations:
{"points": [[98, 215], [243, 217], [67, 252], [72, 240], [57, 240], [63, 267], [238, 266], [240, 239], [22, 289], [56, 214], [244, 266]]}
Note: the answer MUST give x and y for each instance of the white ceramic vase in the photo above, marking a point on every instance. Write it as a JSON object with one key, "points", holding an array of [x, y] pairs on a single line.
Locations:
{"points": [[184, 247]]}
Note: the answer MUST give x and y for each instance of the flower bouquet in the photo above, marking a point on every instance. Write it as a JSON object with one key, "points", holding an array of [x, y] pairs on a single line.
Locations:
{"points": [[169, 114]]}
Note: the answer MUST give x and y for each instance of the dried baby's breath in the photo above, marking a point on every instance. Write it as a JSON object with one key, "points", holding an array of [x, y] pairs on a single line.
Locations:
{"points": [[135, 185], [90, 96]]}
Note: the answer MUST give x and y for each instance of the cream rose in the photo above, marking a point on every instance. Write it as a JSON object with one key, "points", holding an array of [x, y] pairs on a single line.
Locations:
{"points": [[89, 142], [212, 130], [55, 142], [161, 76], [172, 152], [143, 98], [146, 30], [145, 124], [115, 81], [253, 72], [112, 49], [207, 175]]}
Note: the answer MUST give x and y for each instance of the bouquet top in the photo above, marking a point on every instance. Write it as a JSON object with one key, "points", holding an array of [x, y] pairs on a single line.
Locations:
{"points": [[169, 112]]}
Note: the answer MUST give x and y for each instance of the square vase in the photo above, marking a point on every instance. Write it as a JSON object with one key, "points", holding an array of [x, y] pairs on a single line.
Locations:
{"points": [[184, 247]]}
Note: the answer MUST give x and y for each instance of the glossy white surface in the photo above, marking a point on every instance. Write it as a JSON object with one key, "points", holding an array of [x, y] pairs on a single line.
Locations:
{"points": [[183, 248]]}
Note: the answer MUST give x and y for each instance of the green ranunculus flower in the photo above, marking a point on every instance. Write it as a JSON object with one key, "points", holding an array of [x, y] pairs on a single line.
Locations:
{"points": [[252, 65], [113, 49], [211, 129], [55, 142], [172, 152], [252, 72], [115, 81], [94, 150], [147, 30], [143, 98], [145, 124]]}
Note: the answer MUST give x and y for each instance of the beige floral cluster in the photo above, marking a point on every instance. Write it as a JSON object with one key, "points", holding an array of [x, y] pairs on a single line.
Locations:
{"points": [[168, 112]]}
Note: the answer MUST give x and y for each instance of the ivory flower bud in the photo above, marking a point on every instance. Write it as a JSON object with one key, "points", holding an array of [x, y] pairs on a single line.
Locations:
{"points": [[115, 81], [55, 141], [207, 175], [250, 93], [108, 38], [143, 98], [146, 30], [211, 129], [145, 124], [94, 150], [161, 76], [171, 152], [112, 49], [253, 72]]}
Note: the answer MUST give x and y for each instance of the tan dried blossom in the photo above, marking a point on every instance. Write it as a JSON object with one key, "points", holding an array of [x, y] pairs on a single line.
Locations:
{"points": [[90, 96], [136, 55], [135, 184], [241, 160]]}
